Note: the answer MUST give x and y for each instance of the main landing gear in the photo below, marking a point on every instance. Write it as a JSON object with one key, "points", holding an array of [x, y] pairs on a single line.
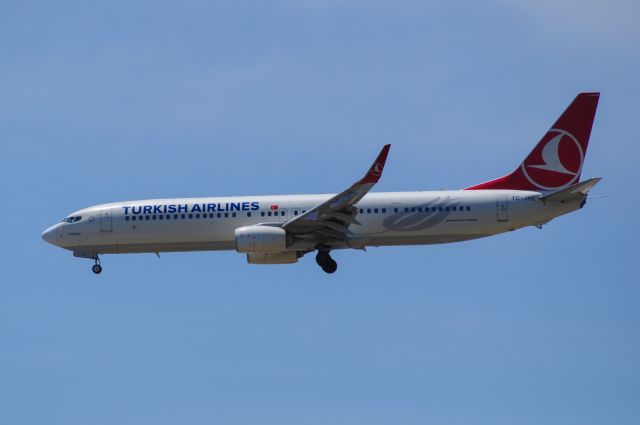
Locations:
{"points": [[96, 268], [325, 261]]}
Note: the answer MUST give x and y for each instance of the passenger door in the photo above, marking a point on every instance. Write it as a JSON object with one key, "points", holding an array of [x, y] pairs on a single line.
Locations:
{"points": [[106, 221], [282, 218], [502, 208]]}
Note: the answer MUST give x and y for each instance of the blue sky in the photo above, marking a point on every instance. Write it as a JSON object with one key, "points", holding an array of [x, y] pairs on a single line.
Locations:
{"points": [[108, 101]]}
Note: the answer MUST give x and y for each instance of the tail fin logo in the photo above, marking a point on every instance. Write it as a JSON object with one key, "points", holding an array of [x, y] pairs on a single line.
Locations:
{"points": [[555, 163], [376, 170]]}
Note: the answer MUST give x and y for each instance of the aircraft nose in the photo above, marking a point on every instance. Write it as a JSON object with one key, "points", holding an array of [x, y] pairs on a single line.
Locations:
{"points": [[49, 235]]}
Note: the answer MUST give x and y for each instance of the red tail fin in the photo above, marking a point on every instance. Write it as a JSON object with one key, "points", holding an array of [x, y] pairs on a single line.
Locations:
{"points": [[556, 161]]}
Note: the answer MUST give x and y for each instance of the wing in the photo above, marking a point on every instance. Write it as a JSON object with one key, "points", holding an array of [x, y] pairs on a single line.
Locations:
{"points": [[331, 219]]}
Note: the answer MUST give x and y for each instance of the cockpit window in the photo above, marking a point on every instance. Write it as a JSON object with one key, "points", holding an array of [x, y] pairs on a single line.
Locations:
{"points": [[72, 219]]}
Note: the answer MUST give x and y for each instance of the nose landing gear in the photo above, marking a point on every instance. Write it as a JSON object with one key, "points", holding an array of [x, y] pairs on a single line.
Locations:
{"points": [[325, 261], [97, 268]]}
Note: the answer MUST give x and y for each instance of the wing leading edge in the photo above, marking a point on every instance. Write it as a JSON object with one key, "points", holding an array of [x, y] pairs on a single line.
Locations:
{"points": [[331, 219]]}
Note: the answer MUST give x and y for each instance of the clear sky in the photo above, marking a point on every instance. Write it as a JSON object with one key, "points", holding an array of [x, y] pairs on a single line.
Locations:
{"points": [[121, 100]]}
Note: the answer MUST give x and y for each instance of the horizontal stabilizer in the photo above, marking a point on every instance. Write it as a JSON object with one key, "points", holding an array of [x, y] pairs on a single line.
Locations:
{"points": [[572, 193]]}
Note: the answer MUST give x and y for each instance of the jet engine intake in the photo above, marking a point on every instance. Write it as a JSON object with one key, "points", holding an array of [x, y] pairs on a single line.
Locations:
{"points": [[262, 239]]}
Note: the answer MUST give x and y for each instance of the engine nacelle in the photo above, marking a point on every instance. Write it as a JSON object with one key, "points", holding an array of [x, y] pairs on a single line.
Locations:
{"points": [[263, 239], [287, 257]]}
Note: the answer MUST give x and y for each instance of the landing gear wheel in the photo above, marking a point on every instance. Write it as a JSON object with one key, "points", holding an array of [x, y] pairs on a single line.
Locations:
{"points": [[325, 261], [322, 258], [96, 268], [330, 267]]}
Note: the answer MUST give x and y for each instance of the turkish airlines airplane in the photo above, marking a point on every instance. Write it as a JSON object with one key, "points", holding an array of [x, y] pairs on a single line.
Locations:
{"points": [[281, 229]]}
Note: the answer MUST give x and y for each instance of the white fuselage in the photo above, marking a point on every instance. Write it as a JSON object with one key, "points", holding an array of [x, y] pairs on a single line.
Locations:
{"points": [[391, 218]]}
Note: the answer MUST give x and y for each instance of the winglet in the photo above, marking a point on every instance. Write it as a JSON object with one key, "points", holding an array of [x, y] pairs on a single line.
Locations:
{"points": [[374, 173]]}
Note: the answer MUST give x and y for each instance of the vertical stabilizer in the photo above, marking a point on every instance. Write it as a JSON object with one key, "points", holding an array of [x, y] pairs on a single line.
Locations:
{"points": [[556, 161]]}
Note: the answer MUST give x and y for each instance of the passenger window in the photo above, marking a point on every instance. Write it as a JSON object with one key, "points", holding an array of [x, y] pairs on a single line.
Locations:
{"points": [[468, 208], [160, 217], [282, 213], [295, 213], [262, 213], [183, 216], [440, 209], [413, 209], [233, 214], [395, 210], [248, 214], [226, 215], [419, 209], [197, 215], [406, 209], [126, 218], [384, 210], [147, 218], [361, 211], [190, 216], [175, 216], [375, 211], [446, 209]]}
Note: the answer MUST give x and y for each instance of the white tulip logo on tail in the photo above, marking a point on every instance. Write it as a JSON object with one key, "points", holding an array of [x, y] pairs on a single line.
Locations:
{"points": [[376, 170], [555, 164], [551, 157]]}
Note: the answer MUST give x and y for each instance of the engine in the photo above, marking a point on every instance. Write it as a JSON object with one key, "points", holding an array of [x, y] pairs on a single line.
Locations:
{"points": [[262, 239], [287, 257]]}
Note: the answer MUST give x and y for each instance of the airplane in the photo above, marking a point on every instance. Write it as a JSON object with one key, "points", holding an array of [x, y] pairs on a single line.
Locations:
{"points": [[282, 229]]}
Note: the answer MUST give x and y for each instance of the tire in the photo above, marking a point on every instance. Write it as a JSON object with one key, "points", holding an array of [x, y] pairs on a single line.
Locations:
{"points": [[330, 267], [323, 258], [97, 268]]}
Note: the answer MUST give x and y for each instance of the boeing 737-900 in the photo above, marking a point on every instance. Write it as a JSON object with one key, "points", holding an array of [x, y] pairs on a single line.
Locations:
{"points": [[282, 229]]}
